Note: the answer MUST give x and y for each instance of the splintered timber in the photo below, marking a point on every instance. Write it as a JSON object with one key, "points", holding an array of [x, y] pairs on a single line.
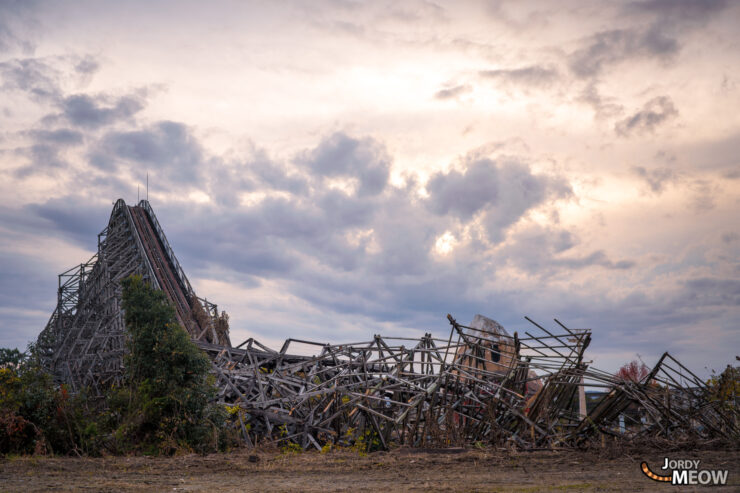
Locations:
{"points": [[480, 384]]}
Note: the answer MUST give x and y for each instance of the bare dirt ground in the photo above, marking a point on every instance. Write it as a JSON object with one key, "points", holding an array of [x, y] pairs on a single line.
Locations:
{"points": [[399, 470]]}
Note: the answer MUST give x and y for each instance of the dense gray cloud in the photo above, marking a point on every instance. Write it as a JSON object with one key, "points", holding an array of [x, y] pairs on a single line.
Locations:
{"points": [[712, 292], [657, 178], [85, 111], [44, 153], [463, 193], [30, 75], [623, 322], [595, 258], [167, 147], [88, 65], [453, 92], [603, 106], [77, 217], [50, 138], [276, 176], [504, 192], [610, 47], [28, 284], [27, 297], [41, 80], [668, 23], [405, 233], [15, 20], [342, 156], [533, 75], [544, 252], [42, 158], [678, 11], [703, 195], [60, 136], [656, 111]]}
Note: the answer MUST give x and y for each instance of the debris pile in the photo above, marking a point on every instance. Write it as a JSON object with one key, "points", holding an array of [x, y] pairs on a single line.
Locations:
{"points": [[479, 385]]}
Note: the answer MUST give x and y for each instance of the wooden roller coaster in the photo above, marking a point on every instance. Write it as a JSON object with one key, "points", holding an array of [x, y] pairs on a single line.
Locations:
{"points": [[480, 384]]}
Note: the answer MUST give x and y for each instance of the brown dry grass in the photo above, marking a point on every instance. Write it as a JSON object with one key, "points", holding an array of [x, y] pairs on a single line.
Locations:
{"points": [[399, 470]]}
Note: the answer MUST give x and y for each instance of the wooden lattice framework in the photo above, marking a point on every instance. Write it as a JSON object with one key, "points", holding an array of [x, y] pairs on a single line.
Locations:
{"points": [[83, 343]]}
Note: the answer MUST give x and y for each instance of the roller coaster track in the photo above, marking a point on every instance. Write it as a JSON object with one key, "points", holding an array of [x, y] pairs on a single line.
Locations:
{"points": [[161, 265], [84, 340]]}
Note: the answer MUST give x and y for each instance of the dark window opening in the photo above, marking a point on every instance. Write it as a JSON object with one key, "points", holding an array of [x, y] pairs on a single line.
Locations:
{"points": [[495, 354]]}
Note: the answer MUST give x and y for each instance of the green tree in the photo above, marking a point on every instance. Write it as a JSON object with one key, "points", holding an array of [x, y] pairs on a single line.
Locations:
{"points": [[725, 387], [168, 401], [11, 357]]}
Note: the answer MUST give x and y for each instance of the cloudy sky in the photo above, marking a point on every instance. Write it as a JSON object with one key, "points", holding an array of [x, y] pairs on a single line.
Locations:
{"points": [[331, 170]]}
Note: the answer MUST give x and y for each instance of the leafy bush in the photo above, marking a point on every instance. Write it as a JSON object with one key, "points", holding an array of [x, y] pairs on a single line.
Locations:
{"points": [[34, 412], [166, 404]]}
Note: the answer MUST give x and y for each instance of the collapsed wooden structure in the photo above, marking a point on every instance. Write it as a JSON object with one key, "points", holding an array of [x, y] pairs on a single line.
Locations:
{"points": [[480, 384], [477, 385]]}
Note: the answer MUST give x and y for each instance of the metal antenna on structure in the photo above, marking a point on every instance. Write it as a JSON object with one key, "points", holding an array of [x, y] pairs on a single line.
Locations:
{"points": [[147, 186], [137, 193]]}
